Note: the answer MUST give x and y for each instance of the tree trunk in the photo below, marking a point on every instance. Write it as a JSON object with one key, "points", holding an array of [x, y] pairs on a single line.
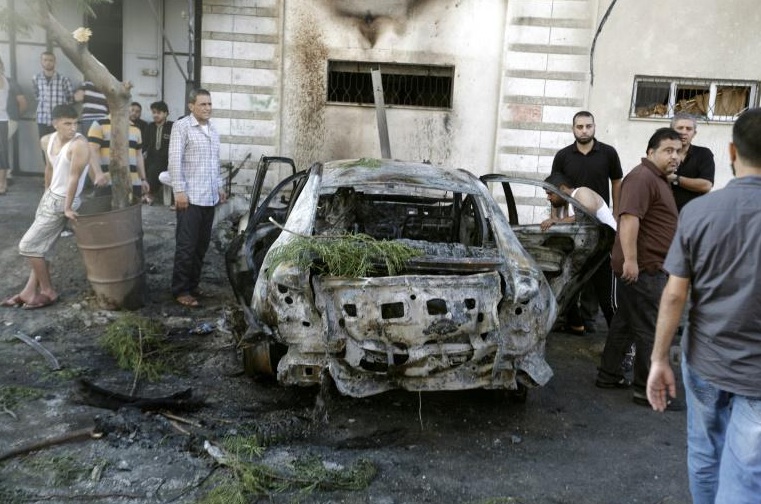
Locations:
{"points": [[118, 96]]}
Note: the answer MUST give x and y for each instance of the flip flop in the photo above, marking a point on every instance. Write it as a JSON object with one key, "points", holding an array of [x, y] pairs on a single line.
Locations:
{"points": [[41, 302], [13, 302], [188, 300]]}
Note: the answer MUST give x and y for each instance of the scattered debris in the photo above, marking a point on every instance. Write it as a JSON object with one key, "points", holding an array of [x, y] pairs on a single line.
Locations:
{"points": [[77, 435], [34, 343], [102, 398]]}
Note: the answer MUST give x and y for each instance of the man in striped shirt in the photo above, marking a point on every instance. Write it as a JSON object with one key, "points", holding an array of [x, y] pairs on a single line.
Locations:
{"points": [[198, 186], [99, 137], [94, 105]]}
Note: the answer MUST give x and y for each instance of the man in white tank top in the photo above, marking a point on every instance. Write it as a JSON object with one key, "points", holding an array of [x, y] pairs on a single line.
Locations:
{"points": [[602, 279], [589, 199], [66, 158]]}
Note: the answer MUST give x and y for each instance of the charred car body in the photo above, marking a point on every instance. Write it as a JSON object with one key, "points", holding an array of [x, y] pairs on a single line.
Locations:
{"points": [[472, 311]]}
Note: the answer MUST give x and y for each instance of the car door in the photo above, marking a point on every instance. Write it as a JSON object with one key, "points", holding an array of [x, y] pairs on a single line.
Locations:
{"points": [[567, 253], [246, 251]]}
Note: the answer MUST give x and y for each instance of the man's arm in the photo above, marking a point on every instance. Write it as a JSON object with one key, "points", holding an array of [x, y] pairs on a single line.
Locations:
{"points": [[48, 167], [548, 223], [703, 183], [96, 173], [141, 172], [80, 156], [94, 139], [628, 230], [588, 199], [660, 382], [697, 185], [615, 189], [177, 143]]}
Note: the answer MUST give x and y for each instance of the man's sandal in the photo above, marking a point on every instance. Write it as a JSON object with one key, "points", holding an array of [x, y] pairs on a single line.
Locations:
{"points": [[12, 302], [188, 300]]}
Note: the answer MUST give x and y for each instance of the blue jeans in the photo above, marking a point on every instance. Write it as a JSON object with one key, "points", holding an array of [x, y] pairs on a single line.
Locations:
{"points": [[723, 443]]}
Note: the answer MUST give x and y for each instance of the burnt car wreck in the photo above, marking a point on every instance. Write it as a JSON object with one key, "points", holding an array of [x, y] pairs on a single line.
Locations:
{"points": [[472, 310]]}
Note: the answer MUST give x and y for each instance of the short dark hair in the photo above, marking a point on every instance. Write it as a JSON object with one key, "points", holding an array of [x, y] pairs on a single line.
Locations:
{"points": [[660, 135], [136, 103], [64, 111], [160, 106], [557, 179], [195, 93], [582, 113], [746, 136], [47, 53]]}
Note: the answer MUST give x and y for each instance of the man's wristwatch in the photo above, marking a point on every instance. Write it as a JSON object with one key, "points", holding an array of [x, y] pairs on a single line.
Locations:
{"points": [[676, 181]]}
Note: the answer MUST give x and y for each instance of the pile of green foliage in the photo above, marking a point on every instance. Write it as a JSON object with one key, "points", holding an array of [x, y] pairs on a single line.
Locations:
{"points": [[346, 255], [138, 344], [250, 478]]}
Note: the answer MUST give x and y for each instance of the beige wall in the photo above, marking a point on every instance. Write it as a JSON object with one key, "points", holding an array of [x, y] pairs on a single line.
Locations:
{"points": [[467, 34], [707, 39]]}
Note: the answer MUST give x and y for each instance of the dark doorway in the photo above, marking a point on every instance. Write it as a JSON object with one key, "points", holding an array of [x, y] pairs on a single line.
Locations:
{"points": [[106, 42]]}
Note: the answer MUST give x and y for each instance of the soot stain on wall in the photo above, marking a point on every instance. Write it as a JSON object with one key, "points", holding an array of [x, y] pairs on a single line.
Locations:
{"points": [[308, 95], [372, 18]]}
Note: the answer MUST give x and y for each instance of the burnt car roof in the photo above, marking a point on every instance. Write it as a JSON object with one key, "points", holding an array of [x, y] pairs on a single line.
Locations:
{"points": [[363, 172]]}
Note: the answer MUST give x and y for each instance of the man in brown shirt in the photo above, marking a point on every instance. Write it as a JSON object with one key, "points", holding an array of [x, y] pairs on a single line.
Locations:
{"points": [[647, 223]]}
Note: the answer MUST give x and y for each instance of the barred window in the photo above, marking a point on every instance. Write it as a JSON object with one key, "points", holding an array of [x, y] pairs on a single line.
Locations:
{"points": [[403, 84], [712, 100]]}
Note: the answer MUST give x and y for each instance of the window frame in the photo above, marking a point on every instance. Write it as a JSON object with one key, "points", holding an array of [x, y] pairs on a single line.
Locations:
{"points": [[397, 70], [712, 86]]}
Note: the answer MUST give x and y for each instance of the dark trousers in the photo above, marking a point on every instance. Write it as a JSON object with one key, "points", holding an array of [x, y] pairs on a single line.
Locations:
{"points": [[633, 322], [601, 285], [192, 236]]}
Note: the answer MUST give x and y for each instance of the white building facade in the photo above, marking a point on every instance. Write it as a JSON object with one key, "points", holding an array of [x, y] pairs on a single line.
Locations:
{"points": [[486, 85]]}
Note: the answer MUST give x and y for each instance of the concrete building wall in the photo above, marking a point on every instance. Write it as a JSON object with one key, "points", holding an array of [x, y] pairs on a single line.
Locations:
{"points": [[706, 39], [241, 66], [467, 35]]}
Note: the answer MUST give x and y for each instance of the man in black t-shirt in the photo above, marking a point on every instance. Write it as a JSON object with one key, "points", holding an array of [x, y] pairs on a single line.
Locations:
{"points": [[590, 163], [694, 176]]}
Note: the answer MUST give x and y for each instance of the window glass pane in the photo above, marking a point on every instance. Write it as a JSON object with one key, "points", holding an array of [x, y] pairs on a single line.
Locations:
{"points": [[731, 100], [651, 99], [692, 99]]}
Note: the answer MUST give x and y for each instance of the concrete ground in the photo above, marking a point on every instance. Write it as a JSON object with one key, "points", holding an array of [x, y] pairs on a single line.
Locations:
{"points": [[569, 443]]}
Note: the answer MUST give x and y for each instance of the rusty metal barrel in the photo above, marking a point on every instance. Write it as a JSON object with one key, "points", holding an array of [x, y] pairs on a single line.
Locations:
{"points": [[111, 244]]}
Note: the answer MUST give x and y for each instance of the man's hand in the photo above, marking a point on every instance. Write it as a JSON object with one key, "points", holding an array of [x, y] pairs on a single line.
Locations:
{"points": [[180, 201], [660, 385], [671, 177], [222, 196], [71, 214], [101, 179], [630, 272], [146, 186], [547, 224]]}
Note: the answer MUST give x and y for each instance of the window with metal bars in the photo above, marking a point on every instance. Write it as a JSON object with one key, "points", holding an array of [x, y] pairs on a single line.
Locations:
{"points": [[406, 85], [712, 100]]}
